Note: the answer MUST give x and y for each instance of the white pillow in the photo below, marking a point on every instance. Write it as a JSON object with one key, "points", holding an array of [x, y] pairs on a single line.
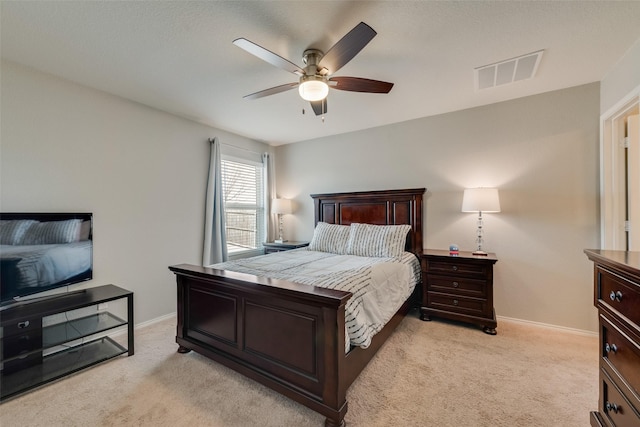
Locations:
{"points": [[44, 233], [331, 238], [377, 240], [12, 231]]}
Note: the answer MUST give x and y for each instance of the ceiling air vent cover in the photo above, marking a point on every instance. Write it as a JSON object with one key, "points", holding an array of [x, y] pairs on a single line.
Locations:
{"points": [[511, 70]]}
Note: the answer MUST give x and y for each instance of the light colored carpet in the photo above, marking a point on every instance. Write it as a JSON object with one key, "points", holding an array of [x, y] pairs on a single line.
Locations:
{"points": [[427, 374]]}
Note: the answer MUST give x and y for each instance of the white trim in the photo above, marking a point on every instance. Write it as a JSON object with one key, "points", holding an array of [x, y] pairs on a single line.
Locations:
{"points": [[610, 225], [611, 112], [549, 326], [155, 320]]}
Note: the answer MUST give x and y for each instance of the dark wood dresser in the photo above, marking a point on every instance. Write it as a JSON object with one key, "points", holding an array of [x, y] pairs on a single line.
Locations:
{"points": [[458, 287], [617, 297]]}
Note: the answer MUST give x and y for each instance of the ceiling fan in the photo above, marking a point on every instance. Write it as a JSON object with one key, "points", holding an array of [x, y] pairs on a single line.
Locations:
{"points": [[316, 77]]}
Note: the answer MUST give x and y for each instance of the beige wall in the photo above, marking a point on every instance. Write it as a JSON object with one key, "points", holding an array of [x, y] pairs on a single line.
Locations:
{"points": [[142, 173], [623, 78], [540, 151]]}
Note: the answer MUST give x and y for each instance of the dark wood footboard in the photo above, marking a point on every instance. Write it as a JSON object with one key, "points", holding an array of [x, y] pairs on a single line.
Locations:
{"points": [[287, 336]]}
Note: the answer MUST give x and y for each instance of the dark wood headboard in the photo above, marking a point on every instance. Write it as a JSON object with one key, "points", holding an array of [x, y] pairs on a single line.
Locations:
{"points": [[388, 207]]}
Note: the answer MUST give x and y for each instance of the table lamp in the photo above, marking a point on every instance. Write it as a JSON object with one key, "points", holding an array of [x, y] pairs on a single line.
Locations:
{"points": [[480, 200], [280, 207]]}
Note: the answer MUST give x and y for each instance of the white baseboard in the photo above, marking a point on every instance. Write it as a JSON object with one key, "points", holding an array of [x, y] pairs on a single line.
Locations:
{"points": [[155, 320], [122, 331], [549, 326]]}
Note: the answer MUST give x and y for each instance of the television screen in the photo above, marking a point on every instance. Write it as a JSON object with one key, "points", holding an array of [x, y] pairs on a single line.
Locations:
{"points": [[43, 251]]}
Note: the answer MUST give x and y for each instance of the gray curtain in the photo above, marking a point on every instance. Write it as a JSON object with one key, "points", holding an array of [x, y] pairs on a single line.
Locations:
{"points": [[215, 236], [270, 194]]}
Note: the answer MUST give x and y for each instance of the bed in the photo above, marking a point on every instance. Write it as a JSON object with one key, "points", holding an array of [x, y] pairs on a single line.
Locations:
{"points": [[287, 335]]}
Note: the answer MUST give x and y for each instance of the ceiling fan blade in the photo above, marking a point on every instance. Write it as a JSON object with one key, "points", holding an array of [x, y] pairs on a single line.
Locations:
{"points": [[272, 91], [319, 107], [268, 56], [347, 47], [358, 84]]}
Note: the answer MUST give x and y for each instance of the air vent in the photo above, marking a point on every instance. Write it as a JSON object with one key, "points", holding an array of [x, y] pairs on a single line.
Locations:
{"points": [[511, 70]]}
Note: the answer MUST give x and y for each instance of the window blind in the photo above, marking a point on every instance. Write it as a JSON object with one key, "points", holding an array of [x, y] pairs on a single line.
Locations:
{"points": [[243, 188]]}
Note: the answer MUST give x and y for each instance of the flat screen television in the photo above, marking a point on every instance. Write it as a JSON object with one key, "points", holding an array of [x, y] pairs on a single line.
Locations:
{"points": [[40, 252]]}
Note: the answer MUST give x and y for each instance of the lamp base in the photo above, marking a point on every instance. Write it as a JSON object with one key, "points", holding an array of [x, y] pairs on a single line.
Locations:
{"points": [[280, 241], [479, 253]]}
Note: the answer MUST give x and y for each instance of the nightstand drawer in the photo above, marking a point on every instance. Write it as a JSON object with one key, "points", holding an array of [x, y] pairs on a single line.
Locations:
{"points": [[457, 268], [457, 286], [620, 352], [457, 304]]}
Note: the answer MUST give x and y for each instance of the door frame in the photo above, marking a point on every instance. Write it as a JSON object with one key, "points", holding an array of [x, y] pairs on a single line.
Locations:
{"points": [[612, 186]]}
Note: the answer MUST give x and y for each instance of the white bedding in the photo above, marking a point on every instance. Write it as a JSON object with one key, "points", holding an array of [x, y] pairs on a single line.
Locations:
{"points": [[44, 265], [379, 285]]}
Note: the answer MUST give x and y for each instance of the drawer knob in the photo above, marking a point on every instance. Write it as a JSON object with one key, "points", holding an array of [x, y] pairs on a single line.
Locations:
{"points": [[456, 284], [610, 347], [612, 407], [455, 268], [615, 296], [455, 302], [23, 325]]}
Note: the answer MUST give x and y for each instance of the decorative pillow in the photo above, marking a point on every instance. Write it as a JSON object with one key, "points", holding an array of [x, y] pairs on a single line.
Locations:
{"points": [[377, 240], [45, 233], [11, 231], [331, 238]]}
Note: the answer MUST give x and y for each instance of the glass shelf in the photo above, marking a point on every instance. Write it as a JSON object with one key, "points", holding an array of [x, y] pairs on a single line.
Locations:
{"points": [[78, 328], [59, 364]]}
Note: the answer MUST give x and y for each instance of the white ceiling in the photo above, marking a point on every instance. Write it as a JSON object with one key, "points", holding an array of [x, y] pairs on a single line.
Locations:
{"points": [[178, 56]]}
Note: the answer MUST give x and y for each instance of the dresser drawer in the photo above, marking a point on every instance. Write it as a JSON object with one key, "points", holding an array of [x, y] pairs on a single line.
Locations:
{"points": [[619, 294], [614, 406], [621, 352], [457, 286], [457, 304], [446, 266]]}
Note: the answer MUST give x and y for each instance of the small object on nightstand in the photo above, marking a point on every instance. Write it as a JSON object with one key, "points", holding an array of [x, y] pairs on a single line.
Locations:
{"points": [[458, 287], [453, 250]]}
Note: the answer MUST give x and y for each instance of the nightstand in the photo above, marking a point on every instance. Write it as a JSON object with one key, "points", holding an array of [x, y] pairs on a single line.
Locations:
{"points": [[272, 247], [458, 287]]}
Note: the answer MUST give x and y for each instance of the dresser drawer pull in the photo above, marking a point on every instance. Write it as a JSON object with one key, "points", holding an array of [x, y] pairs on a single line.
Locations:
{"points": [[610, 347], [613, 407], [455, 302], [23, 325], [455, 268], [456, 284], [615, 296]]}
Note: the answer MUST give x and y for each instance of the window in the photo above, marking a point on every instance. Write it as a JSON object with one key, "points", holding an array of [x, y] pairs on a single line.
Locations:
{"points": [[243, 187]]}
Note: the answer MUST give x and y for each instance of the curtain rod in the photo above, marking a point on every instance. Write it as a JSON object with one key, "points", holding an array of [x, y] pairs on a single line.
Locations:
{"points": [[238, 148]]}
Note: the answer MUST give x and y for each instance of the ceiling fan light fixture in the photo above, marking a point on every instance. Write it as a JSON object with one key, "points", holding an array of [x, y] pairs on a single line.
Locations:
{"points": [[313, 88]]}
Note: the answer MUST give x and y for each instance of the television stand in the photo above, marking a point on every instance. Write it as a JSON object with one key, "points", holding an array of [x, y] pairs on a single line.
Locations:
{"points": [[48, 339]]}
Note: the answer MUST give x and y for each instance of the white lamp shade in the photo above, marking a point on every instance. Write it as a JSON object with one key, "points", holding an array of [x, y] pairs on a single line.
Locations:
{"points": [[281, 206], [481, 200]]}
